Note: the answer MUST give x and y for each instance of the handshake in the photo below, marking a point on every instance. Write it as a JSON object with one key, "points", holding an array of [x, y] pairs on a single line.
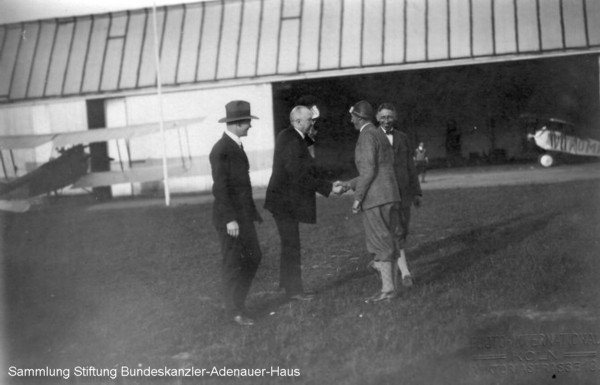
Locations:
{"points": [[340, 187]]}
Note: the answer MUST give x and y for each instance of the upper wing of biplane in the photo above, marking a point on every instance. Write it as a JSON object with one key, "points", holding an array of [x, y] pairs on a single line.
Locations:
{"points": [[61, 139]]}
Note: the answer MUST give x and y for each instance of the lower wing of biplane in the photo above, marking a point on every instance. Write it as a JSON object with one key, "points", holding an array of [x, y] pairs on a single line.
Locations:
{"points": [[71, 166]]}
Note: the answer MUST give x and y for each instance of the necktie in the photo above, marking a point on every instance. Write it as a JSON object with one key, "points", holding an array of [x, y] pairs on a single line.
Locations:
{"points": [[389, 132]]}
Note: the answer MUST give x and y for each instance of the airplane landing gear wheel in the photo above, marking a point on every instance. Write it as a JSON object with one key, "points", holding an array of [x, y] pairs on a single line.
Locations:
{"points": [[546, 160]]}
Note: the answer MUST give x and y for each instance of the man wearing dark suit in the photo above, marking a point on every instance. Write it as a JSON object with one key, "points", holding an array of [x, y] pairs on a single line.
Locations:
{"points": [[291, 197], [408, 183], [234, 211]]}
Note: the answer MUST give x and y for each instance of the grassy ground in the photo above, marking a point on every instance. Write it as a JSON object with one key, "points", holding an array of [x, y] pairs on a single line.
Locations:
{"points": [[496, 269]]}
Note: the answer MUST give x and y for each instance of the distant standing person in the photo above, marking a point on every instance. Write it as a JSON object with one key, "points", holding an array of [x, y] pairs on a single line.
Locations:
{"points": [[234, 211], [291, 197], [421, 161]]}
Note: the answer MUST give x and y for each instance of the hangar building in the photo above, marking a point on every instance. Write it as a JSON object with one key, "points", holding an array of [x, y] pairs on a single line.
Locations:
{"points": [[477, 63]]}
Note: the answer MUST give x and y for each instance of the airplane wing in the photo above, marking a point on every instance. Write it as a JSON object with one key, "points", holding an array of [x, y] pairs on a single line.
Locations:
{"points": [[10, 142], [142, 174], [15, 206], [62, 139]]}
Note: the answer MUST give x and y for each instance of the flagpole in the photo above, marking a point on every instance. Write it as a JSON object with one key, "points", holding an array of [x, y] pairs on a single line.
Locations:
{"points": [[160, 107]]}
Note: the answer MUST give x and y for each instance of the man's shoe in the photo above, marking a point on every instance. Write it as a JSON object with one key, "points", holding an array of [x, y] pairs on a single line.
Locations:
{"points": [[407, 281], [381, 296], [302, 297], [243, 320]]}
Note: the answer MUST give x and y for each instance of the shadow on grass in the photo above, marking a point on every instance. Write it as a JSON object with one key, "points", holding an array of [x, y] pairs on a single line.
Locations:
{"points": [[450, 256]]}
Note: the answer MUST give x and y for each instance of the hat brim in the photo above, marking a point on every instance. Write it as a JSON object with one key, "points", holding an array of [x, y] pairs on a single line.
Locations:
{"points": [[229, 120]]}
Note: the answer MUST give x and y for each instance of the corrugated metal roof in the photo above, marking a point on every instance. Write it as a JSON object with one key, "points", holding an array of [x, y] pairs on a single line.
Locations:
{"points": [[240, 40]]}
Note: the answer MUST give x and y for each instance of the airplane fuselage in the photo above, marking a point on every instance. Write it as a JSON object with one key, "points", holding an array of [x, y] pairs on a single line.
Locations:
{"points": [[61, 172]]}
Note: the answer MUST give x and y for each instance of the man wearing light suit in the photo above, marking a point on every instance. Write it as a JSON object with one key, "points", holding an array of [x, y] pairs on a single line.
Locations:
{"points": [[377, 196], [234, 211]]}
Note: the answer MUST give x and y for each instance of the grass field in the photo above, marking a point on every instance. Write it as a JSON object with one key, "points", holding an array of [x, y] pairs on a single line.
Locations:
{"points": [[507, 291]]}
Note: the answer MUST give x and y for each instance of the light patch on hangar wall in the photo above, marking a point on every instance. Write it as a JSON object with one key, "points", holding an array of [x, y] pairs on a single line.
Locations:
{"points": [[210, 103]]}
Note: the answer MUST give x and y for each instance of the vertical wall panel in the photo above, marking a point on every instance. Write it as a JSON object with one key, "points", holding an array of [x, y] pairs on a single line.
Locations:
{"points": [[437, 42], [528, 25], [58, 61], [114, 53], [415, 32], [310, 37], [351, 33], [24, 61], [483, 43], [291, 8], [118, 25], [372, 49], [288, 46], [268, 49], [190, 42], [574, 20], [41, 60], [8, 57], [460, 29], [246, 61], [76, 62], [169, 55], [93, 65], [550, 18], [394, 32], [330, 35], [229, 40], [289, 37], [133, 49], [210, 36], [505, 33], [148, 62], [593, 20], [2, 35]]}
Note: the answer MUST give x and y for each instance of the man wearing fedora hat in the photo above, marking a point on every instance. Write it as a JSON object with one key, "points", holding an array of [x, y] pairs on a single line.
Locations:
{"points": [[234, 211]]}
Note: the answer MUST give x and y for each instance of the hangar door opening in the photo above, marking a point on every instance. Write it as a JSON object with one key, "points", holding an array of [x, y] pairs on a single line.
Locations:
{"points": [[466, 115]]}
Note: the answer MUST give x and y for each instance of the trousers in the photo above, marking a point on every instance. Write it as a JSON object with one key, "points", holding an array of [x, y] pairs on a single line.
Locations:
{"points": [[290, 265], [241, 258], [386, 229]]}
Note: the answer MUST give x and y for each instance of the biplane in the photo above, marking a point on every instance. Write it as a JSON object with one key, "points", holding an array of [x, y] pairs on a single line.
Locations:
{"points": [[559, 139], [71, 167]]}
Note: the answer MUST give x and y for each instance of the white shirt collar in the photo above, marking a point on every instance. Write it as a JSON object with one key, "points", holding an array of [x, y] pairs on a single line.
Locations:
{"points": [[299, 132], [390, 138], [234, 137], [364, 125]]}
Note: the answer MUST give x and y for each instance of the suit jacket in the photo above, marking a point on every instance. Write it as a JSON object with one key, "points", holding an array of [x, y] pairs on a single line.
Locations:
{"points": [[291, 190], [376, 183], [231, 184], [404, 168]]}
